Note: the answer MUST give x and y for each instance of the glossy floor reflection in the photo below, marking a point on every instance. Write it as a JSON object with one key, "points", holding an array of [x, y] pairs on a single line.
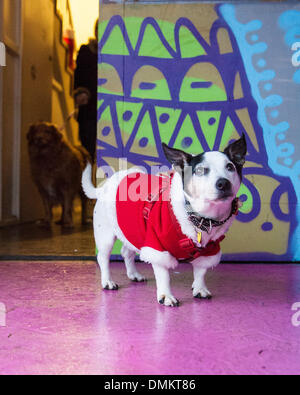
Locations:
{"points": [[59, 321], [30, 240]]}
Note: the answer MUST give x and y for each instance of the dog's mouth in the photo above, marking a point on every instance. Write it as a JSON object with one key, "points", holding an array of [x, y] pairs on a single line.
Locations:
{"points": [[222, 197], [225, 196]]}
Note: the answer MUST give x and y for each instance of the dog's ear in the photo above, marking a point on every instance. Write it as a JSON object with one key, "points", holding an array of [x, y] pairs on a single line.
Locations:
{"points": [[237, 151], [177, 157]]}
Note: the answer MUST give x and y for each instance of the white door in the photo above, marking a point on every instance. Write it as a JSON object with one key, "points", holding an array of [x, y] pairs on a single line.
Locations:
{"points": [[10, 111]]}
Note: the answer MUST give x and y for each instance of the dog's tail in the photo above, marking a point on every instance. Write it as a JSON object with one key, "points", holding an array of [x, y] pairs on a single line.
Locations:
{"points": [[87, 185]]}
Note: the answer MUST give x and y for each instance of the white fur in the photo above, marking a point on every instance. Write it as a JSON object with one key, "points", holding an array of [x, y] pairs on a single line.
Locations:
{"points": [[165, 259], [129, 259], [202, 190], [203, 198], [200, 267], [178, 205], [164, 293], [87, 186]]}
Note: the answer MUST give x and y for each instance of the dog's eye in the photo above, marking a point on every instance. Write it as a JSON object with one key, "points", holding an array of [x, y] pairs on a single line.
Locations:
{"points": [[201, 171], [230, 167]]}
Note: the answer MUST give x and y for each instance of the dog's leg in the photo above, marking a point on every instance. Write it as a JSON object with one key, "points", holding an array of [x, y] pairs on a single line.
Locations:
{"points": [[67, 215], [164, 294], [46, 222], [84, 209], [105, 239], [105, 243], [200, 267], [48, 210], [103, 259], [131, 269], [200, 290]]}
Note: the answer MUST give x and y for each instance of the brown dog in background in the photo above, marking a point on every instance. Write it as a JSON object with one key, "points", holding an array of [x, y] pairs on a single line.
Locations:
{"points": [[56, 168]]}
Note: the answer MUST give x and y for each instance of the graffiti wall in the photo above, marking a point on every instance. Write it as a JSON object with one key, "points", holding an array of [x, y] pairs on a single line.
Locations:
{"points": [[197, 76]]}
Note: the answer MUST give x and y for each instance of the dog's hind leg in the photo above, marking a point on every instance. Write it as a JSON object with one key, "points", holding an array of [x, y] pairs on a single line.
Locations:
{"points": [[84, 209], [46, 222], [103, 259], [105, 242], [129, 259], [67, 214], [103, 262]]}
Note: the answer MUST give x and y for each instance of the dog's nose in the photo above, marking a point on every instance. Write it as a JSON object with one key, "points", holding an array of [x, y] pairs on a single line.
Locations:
{"points": [[223, 185]]}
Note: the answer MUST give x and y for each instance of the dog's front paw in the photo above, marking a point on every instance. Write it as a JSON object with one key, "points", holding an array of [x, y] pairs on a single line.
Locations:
{"points": [[201, 293], [168, 300], [110, 286]]}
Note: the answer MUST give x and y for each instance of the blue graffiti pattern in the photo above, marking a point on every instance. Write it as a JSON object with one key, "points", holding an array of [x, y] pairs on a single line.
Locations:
{"points": [[273, 134]]}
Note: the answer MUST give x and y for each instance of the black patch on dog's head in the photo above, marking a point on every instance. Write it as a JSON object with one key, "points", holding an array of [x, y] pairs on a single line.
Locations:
{"points": [[184, 163], [178, 159], [181, 159], [237, 152], [196, 160]]}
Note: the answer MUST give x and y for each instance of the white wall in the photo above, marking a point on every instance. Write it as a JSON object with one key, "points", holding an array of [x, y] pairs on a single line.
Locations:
{"points": [[85, 14]]}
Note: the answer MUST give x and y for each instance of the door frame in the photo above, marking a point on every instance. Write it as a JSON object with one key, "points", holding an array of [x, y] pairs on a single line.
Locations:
{"points": [[13, 47]]}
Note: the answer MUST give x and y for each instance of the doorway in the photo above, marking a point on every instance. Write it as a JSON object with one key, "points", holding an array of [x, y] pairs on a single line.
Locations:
{"points": [[36, 68], [10, 111]]}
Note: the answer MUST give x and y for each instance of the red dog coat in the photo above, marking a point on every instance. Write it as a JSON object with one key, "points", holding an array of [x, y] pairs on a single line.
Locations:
{"points": [[147, 220]]}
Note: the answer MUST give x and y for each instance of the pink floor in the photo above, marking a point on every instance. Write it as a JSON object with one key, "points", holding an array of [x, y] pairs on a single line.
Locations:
{"points": [[60, 322]]}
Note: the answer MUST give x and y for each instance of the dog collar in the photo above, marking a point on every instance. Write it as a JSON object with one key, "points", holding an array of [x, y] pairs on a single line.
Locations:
{"points": [[206, 224]]}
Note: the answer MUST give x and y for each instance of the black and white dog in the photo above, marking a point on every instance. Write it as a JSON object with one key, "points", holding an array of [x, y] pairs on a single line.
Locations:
{"points": [[184, 216]]}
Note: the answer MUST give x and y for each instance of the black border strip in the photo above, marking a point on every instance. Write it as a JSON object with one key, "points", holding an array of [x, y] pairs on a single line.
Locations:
{"points": [[35, 258]]}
